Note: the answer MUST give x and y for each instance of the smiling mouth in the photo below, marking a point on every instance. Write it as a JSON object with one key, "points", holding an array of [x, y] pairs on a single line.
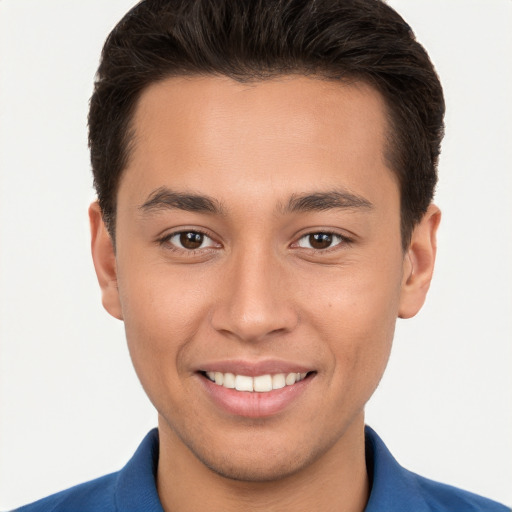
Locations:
{"points": [[259, 384]]}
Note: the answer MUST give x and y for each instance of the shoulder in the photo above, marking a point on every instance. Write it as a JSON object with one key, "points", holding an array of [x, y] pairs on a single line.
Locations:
{"points": [[95, 496], [395, 489], [441, 497], [133, 489]]}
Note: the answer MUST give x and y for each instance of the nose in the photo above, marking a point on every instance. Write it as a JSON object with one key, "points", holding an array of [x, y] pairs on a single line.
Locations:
{"points": [[255, 303]]}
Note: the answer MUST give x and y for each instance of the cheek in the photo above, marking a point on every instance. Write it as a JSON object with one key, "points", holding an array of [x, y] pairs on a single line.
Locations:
{"points": [[356, 319], [157, 301], [362, 299], [161, 313]]}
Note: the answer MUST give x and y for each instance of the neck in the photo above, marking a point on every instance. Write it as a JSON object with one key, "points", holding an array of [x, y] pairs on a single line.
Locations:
{"points": [[337, 480]]}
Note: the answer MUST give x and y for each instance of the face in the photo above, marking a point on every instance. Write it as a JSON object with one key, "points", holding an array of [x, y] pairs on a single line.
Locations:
{"points": [[258, 247]]}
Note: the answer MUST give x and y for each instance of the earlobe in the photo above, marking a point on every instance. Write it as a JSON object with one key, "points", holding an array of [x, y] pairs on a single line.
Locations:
{"points": [[419, 263], [104, 259]]}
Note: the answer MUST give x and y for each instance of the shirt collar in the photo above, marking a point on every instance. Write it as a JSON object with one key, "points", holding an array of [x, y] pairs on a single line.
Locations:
{"points": [[136, 482], [392, 487]]}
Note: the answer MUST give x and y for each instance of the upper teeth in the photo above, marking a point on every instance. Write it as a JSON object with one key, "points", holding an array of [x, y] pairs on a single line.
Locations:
{"points": [[261, 383]]}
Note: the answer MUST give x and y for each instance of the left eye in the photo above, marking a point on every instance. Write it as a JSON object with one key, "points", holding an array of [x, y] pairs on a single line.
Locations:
{"points": [[319, 240], [191, 240]]}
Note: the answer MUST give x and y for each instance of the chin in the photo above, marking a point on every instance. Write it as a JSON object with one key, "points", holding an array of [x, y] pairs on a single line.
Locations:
{"points": [[259, 460], [264, 469]]}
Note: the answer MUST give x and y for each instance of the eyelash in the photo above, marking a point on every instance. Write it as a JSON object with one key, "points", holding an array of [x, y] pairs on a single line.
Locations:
{"points": [[342, 241], [166, 241]]}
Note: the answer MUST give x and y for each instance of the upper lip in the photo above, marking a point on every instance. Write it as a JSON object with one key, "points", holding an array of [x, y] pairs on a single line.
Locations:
{"points": [[254, 368]]}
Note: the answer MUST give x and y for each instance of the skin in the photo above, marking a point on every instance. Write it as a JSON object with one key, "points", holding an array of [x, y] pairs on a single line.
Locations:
{"points": [[256, 290]]}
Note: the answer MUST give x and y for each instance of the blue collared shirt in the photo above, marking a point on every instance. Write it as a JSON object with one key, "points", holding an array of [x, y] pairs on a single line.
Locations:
{"points": [[393, 488]]}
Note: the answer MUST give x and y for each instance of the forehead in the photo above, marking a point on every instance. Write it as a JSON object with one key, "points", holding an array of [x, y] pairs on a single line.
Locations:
{"points": [[286, 130]]}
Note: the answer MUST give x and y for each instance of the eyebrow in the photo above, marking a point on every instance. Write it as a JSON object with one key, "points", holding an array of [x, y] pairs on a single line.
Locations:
{"points": [[164, 198], [321, 201]]}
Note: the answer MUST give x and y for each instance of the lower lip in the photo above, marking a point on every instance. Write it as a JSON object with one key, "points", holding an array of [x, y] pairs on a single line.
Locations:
{"points": [[255, 404]]}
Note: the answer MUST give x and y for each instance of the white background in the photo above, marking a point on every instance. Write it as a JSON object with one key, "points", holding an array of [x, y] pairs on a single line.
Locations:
{"points": [[71, 407]]}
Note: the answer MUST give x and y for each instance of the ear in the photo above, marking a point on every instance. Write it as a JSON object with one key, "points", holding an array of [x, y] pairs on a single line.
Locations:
{"points": [[419, 263], [104, 259]]}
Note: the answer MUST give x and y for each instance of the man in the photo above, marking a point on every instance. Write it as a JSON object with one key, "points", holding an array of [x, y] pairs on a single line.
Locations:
{"points": [[264, 173]]}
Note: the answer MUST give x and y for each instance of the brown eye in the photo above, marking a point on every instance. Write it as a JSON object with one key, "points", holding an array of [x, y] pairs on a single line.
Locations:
{"points": [[320, 241], [191, 240]]}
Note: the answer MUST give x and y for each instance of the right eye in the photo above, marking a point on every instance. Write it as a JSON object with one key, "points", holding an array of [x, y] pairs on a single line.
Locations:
{"points": [[189, 240]]}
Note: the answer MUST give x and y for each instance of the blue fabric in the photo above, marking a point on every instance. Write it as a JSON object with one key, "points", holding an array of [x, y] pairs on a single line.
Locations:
{"points": [[133, 489], [394, 489]]}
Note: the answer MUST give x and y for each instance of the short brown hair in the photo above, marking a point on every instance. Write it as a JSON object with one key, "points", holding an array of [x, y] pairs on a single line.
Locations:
{"points": [[250, 40]]}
